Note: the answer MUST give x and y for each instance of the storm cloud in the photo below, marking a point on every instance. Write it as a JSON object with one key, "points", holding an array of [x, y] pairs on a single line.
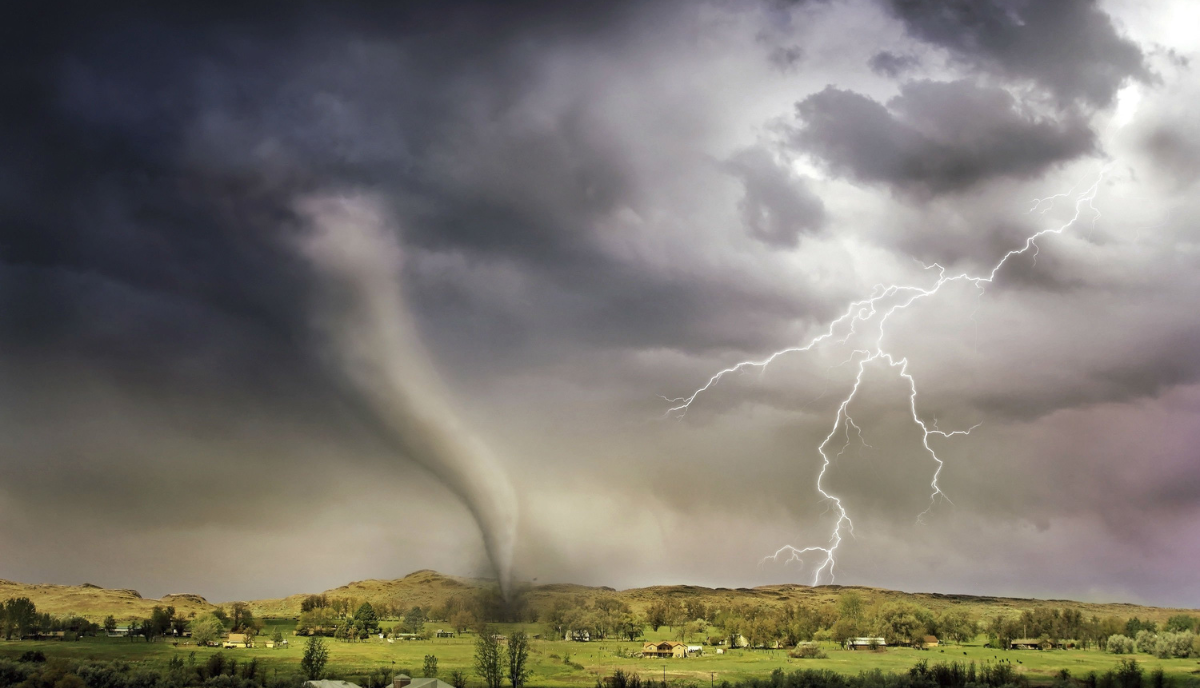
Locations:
{"points": [[597, 206], [935, 137]]}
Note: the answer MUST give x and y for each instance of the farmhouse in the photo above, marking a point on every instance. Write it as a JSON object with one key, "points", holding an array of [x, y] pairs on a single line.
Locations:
{"points": [[326, 683], [402, 681], [444, 634], [667, 649], [237, 640], [864, 643], [1031, 644], [118, 632], [695, 650], [928, 642], [583, 636]]}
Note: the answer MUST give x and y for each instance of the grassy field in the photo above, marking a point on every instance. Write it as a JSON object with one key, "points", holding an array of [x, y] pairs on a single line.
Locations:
{"points": [[352, 660]]}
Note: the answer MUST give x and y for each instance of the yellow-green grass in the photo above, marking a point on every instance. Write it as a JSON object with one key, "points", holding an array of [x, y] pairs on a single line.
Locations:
{"points": [[351, 660]]}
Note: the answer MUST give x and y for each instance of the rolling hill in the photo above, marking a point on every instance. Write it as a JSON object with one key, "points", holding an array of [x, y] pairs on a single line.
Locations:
{"points": [[429, 589]]}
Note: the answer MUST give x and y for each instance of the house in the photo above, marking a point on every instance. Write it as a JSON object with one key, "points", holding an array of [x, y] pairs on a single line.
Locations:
{"points": [[118, 632], [667, 649], [864, 643], [444, 634], [326, 683], [928, 642], [695, 650], [583, 636], [281, 644], [237, 640], [402, 681], [1031, 644]]}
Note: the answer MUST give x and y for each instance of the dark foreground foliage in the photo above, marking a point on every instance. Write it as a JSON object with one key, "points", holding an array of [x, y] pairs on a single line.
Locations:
{"points": [[942, 675]]}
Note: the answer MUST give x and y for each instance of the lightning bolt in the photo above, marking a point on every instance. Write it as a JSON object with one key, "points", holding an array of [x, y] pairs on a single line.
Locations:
{"points": [[875, 311]]}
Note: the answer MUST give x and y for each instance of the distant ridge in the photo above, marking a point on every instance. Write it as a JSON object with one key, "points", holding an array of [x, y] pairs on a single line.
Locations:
{"points": [[426, 588]]}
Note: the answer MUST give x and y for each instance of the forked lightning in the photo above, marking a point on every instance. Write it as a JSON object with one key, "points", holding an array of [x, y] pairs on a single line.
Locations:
{"points": [[883, 302]]}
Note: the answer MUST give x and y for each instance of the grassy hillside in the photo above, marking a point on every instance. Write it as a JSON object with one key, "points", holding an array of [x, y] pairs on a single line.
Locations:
{"points": [[430, 589], [95, 603]]}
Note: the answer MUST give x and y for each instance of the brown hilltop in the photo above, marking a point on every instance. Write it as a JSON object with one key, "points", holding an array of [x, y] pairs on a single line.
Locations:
{"points": [[427, 589], [95, 602]]}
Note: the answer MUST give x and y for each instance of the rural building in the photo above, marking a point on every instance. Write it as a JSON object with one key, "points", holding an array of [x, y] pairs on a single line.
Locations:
{"points": [[326, 683], [237, 640], [928, 642], [402, 681], [118, 632], [1031, 644], [583, 636], [444, 634], [667, 649], [695, 650], [864, 643]]}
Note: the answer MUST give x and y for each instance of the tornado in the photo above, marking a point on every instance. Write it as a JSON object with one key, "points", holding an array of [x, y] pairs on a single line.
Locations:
{"points": [[373, 344]]}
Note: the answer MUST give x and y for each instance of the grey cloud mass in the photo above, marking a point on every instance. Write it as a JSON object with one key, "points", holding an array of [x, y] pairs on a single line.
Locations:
{"points": [[935, 137], [1070, 48], [597, 205]]}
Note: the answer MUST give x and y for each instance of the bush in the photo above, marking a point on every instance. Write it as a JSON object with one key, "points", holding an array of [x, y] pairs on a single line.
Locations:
{"points": [[1145, 641], [1120, 645], [1169, 645], [33, 656], [807, 651]]}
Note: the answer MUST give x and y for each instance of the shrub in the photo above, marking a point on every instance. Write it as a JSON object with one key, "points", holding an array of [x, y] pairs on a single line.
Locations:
{"points": [[1145, 641], [1169, 645], [807, 651], [1120, 645]]}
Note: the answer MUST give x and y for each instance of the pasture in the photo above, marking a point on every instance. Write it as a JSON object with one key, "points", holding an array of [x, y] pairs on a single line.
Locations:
{"points": [[549, 658]]}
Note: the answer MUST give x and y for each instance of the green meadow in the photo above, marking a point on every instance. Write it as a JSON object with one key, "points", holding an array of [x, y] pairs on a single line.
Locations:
{"points": [[563, 663]]}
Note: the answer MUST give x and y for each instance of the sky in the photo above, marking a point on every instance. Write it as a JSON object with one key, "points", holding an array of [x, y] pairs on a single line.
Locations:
{"points": [[295, 294]]}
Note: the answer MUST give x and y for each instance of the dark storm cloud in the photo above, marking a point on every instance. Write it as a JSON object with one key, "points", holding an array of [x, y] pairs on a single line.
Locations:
{"points": [[777, 206], [892, 65], [935, 137], [1070, 48], [570, 250]]}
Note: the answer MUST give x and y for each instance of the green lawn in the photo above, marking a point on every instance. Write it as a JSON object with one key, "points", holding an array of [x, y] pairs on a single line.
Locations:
{"points": [[350, 660]]}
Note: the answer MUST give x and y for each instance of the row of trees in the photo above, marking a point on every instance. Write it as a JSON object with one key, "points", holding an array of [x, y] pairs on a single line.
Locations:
{"points": [[496, 661], [1164, 645], [19, 618]]}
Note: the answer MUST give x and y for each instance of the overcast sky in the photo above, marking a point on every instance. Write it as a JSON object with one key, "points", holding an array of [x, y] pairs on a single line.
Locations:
{"points": [[584, 208]]}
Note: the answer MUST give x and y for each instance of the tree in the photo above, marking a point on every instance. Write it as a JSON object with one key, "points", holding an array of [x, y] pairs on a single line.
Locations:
{"points": [[277, 638], [414, 620], [312, 664], [110, 624], [850, 606], [487, 658], [458, 679], [135, 629], [518, 658], [462, 620], [367, 617], [242, 617], [904, 622], [1180, 623], [207, 629], [20, 615], [429, 668], [159, 622]]}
